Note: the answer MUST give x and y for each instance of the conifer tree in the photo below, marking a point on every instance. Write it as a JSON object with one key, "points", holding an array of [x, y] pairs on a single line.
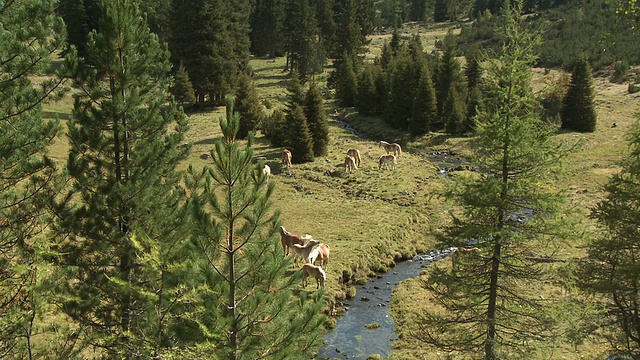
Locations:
{"points": [[301, 141], [473, 74], [305, 54], [492, 300], [28, 173], [248, 306], [368, 100], [347, 81], [441, 10], [126, 140], [447, 72], [267, 28], [455, 115], [610, 268], [578, 107], [215, 54], [403, 83], [425, 106], [248, 106], [80, 18], [317, 119], [182, 88]]}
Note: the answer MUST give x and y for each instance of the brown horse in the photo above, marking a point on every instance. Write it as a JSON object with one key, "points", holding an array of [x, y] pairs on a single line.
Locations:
{"points": [[386, 161], [316, 272], [350, 163], [286, 158], [356, 155], [320, 253], [287, 240], [394, 148]]}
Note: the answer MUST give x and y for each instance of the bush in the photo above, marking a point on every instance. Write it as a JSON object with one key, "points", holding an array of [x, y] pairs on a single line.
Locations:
{"points": [[633, 88]]}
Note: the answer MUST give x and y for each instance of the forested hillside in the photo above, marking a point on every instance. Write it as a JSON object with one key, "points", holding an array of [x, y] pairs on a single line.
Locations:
{"points": [[138, 219]]}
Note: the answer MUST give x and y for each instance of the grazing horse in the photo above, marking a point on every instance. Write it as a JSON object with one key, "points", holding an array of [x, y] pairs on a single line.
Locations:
{"points": [[266, 170], [286, 158], [316, 272], [356, 155], [386, 161], [394, 148], [303, 251], [455, 254], [288, 239], [320, 253], [350, 163]]}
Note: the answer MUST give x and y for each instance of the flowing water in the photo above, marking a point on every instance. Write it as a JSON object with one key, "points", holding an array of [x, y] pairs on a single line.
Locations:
{"points": [[350, 339], [366, 328]]}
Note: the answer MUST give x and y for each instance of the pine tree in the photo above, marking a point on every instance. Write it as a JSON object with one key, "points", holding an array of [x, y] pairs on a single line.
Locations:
{"points": [[305, 53], [455, 112], [317, 119], [301, 141], [248, 106], [182, 88], [368, 99], [490, 301], [447, 72], [347, 81], [126, 140], [578, 107], [267, 28], [248, 306], [441, 10], [28, 173], [218, 52], [425, 106], [403, 82], [80, 17]]}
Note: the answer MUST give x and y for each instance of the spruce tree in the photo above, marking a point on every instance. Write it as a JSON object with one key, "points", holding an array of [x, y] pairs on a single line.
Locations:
{"points": [[317, 119], [578, 107], [248, 106], [425, 106], [305, 53], [28, 173], [182, 88], [126, 140], [215, 54], [301, 141], [455, 112], [447, 72], [368, 100], [441, 10], [267, 28], [493, 300], [403, 83], [611, 267], [347, 81], [248, 306]]}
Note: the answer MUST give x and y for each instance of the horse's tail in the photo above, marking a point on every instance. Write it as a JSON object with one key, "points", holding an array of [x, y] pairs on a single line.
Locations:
{"points": [[399, 150], [358, 158]]}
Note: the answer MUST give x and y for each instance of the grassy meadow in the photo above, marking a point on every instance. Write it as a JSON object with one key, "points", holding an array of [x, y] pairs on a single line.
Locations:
{"points": [[372, 218]]}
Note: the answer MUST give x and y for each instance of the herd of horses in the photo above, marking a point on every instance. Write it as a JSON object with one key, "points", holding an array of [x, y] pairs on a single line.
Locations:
{"points": [[309, 251], [353, 160], [304, 247]]}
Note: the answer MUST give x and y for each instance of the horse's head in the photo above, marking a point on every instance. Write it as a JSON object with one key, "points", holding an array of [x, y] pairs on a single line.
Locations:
{"points": [[282, 230]]}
